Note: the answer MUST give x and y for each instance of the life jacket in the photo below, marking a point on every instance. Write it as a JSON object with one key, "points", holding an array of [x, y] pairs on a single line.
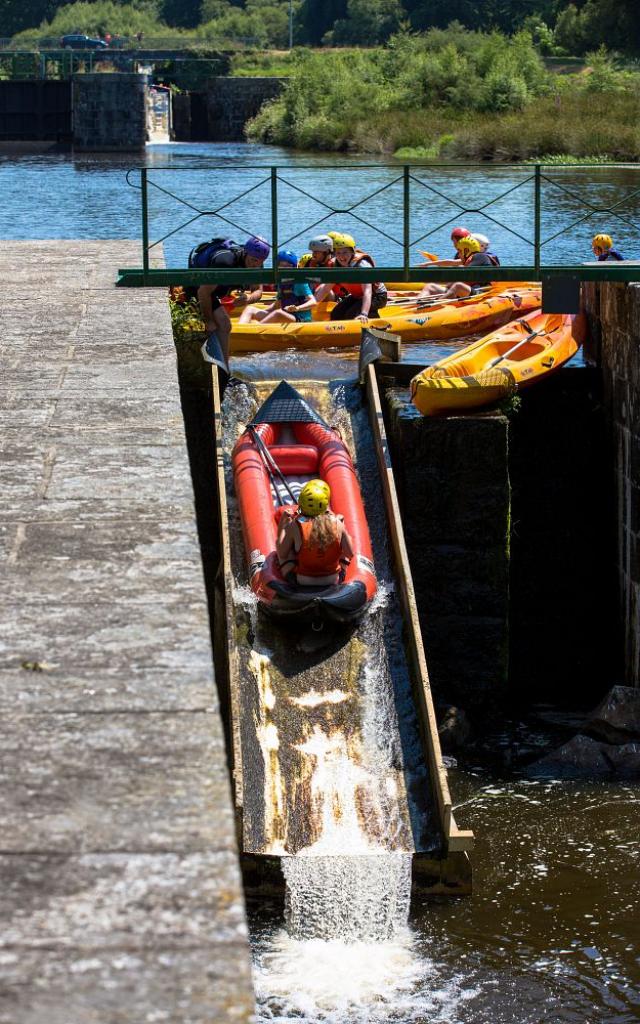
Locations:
{"points": [[342, 290], [494, 259], [202, 255], [315, 282], [313, 560], [286, 294], [611, 254]]}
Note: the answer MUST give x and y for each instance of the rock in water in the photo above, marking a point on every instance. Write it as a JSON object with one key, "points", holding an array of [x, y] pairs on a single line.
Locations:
{"points": [[617, 718]]}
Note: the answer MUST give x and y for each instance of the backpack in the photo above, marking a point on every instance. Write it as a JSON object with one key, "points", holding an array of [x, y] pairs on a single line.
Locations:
{"points": [[201, 255]]}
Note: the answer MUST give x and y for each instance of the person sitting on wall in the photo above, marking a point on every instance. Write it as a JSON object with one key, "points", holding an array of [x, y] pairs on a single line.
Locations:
{"points": [[355, 301], [469, 255], [603, 250], [313, 545], [225, 254], [294, 299]]}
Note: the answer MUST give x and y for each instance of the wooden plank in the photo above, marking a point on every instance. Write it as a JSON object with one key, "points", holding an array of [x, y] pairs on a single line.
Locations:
{"points": [[224, 586], [453, 837]]}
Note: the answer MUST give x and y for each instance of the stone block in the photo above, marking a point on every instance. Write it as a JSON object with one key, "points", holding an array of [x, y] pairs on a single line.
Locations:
{"points": [[617, 717]]}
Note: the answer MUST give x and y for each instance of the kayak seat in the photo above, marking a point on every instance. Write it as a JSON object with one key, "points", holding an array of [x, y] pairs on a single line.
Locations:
{"points": [[296, 459]]}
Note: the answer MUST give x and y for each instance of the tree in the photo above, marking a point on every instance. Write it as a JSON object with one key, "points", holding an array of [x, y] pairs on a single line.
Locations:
{"points": [[315, 19], [16, 15], [368, 22], [181, 13]]}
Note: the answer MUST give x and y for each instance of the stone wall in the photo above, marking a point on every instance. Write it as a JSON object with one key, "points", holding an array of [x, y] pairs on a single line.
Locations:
{"points": [[614, 314], [453, 485], [109, 112], [509, 523], [35, 110], [231, 102]]}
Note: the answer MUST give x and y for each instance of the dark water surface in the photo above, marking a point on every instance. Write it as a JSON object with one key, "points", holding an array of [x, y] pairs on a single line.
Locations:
{"points": [[552, 932]]}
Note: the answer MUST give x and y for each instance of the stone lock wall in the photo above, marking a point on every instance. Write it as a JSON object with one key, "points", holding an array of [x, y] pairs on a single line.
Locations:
{"points": [[109, 112], [614, 346], [231, 102]]}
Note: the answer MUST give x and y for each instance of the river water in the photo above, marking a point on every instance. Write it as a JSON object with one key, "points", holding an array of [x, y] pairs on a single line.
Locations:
{"points": [[552, 932]]}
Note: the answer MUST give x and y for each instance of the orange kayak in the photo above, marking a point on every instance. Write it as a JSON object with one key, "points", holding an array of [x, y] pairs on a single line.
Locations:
{"points": [[491, 369]]}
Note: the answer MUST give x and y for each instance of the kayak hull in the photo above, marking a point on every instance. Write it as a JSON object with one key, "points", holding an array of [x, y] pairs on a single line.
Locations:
{"points": [[302, 450], [453, 320], [493, 368]]}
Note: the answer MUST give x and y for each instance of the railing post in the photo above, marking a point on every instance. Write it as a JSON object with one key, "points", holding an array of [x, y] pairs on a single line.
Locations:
{"points": [[274, 221], [536, 244], [145, 224], [406, 209]]}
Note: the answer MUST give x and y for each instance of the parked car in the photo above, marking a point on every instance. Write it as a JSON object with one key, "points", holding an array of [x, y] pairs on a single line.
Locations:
{"points": [[80, 42]]}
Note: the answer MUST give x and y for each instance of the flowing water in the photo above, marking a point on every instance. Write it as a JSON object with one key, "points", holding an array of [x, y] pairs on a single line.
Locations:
{"points": [[552, 932]]}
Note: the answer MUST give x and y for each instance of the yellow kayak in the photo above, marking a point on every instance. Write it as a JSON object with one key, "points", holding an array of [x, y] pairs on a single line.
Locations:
{"points": [[492, 368], [449, 320]]}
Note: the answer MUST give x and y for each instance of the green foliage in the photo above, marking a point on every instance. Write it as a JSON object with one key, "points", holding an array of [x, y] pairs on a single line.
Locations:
{"points": [[367, 21], [98, 18]]}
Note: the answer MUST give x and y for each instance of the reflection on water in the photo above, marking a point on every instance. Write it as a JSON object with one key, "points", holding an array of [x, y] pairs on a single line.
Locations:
{"points": [[62, 196]]}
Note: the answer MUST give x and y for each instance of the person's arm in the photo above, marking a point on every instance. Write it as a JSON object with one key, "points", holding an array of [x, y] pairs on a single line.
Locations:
{"points": [[443, 263], [205, 291], [346, 543], [367, 295], [285, 541], [307, 304], [323, 291]]}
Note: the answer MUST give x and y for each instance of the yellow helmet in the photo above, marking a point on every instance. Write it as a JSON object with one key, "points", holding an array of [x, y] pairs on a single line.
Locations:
{"points": [[314, 498], [341, 241], [303, 261], [602, 241], [467, 246]]}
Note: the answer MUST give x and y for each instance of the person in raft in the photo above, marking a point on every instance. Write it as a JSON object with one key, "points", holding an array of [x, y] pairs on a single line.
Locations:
{"points": [[225, 254], [313, 546], [603, 250], [320, 255], [470, 254], [355, 301], [293, 301]]}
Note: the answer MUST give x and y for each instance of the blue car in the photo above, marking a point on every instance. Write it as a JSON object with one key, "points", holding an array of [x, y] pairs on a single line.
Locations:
{"points": [[79, 42]]}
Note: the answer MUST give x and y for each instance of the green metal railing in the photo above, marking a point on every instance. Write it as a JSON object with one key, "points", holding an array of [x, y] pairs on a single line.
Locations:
{"points": [[407, 176]]}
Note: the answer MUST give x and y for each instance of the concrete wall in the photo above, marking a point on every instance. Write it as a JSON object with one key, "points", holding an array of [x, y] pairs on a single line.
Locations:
{"points": [[35, 110], [231, 102], [614, 314], [109, 112]]}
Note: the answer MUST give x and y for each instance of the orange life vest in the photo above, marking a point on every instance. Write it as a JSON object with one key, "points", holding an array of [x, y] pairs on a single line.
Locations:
{"points": [[354, 288], [328, 263], [312, 560]]}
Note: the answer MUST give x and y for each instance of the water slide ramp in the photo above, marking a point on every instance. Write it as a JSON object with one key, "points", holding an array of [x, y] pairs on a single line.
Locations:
{"points": [[333, 742]]}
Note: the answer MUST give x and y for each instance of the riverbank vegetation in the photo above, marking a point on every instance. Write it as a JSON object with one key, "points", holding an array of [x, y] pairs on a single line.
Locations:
{"points": [[455, 95], [556, 26]]}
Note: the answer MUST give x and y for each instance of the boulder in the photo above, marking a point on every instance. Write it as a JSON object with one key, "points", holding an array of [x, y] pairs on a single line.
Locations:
{"points": [[617, 718], [453, 728], [580, 758], [585, 758]]}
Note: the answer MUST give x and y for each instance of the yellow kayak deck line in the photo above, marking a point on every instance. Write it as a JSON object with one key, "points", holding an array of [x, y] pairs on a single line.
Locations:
{"points": [[451, 320], [491, 369]]}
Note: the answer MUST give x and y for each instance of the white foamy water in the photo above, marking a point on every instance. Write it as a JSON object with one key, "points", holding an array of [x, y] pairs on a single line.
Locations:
{"points": [[340, 981]]}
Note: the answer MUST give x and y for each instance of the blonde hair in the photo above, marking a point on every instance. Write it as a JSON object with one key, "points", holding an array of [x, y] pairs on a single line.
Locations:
{"points": [[325, 530]]}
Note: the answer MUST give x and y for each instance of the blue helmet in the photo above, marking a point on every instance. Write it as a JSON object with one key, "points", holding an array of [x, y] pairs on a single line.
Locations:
{"points": [[257, 247], [287, 256]]}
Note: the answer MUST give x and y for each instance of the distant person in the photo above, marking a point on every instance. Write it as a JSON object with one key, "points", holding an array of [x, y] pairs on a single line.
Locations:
{"points": [[320, 255], [469, 255], [355, 300], [603, 250], [294, 299], [312, 543], [225, 254], [107, 38], [457, 234], [139, 37], [484, 247]]}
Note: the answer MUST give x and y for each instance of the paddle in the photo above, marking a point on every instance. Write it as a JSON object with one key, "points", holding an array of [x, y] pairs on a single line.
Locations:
{"points": [[430, 256], [421, 303], [271, 465], [530, 336]]}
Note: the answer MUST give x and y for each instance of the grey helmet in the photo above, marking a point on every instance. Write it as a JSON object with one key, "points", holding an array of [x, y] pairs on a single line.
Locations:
{"points": [[321, 243], [484, 241]]}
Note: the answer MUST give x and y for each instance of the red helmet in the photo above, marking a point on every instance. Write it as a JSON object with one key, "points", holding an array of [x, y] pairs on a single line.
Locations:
{"points": [[459, 233]]}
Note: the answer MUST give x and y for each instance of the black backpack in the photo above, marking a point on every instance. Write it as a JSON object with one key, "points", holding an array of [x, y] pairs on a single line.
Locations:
{"points": [[201, 255]]}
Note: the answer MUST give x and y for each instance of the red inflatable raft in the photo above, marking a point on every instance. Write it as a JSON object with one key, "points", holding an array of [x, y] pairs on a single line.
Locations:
{"points": [[287, 444]]}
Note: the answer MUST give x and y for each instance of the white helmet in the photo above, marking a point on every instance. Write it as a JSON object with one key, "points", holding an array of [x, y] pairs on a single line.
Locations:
{"points": [[484, 241]]}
